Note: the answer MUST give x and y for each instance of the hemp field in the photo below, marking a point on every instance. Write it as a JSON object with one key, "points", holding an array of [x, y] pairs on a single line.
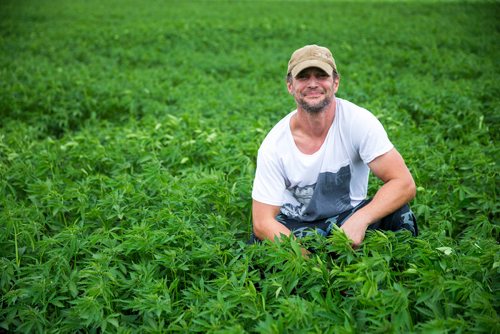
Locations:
{"points": [[128, 137]]}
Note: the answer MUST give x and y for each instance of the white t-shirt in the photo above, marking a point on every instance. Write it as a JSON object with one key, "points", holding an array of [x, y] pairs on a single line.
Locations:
{"points": [[309, 187]]}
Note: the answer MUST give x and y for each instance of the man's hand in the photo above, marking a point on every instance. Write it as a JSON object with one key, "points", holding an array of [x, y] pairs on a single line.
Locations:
{"points": [[355, 228]]}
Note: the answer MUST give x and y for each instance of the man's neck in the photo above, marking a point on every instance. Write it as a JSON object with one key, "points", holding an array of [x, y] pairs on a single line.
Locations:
{"points": [[314, 125], [309, 130]]}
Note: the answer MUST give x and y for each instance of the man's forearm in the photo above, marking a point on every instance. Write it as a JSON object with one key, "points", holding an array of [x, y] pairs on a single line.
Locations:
{"points": [[390, 197], [270, 229], [265, 225], [398, 189], [273, 229]]}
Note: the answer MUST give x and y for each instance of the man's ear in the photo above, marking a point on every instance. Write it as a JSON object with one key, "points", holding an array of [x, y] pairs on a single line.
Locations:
{"points": [[289, 87], [336, 84]]}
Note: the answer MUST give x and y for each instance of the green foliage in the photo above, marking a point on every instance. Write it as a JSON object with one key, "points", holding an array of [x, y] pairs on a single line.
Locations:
{"points": [[128, 139]]}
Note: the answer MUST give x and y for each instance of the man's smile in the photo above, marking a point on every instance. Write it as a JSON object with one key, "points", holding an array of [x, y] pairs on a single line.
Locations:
{"points": [[313, 94]]}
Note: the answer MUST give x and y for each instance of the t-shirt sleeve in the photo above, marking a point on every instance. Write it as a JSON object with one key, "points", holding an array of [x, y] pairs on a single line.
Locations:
{"points": [[369, 137], [269, 182]]}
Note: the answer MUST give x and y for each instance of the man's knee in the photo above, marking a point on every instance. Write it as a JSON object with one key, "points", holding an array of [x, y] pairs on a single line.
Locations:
{"points": [[409, 221], [401, 219]]}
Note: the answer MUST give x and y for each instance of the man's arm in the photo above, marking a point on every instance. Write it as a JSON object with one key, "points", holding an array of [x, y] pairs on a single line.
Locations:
{"points": [[265, 225], [398, 189]]}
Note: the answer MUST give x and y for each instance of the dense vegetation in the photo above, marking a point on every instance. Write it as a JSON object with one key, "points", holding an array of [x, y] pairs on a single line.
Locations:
{"points": [[128, 139]]}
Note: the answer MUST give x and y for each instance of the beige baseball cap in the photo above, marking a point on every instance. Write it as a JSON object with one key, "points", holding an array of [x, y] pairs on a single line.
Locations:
{"points": [[311, 56]]}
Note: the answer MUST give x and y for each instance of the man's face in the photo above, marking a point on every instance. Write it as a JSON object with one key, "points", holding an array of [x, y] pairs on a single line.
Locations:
{"points": [[313, 89]]}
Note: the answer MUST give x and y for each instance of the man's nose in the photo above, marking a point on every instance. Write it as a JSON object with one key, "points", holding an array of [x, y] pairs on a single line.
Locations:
{"points": [[313, 81]]}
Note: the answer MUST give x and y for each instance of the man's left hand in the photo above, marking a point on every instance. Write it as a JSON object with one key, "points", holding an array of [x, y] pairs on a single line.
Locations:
{"points": [[355, 228]]}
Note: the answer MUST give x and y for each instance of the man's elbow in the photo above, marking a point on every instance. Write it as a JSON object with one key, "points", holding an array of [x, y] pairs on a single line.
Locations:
{"points": [[258, 229], [261, 228], [268, 229], [411, 188]]}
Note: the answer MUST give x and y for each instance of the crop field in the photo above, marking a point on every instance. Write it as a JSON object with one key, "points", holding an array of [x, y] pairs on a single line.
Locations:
{"points": [[128, 138]]}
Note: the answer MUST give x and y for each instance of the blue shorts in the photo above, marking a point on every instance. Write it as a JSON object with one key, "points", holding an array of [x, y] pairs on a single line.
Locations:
{"points": [[403, 218]]}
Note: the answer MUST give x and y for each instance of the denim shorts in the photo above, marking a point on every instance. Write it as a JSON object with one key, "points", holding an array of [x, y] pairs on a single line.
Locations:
{"points": [[403, 218]]}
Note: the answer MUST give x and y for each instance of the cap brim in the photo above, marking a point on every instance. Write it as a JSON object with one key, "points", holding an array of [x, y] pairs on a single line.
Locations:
{"points": [[312, 63]]}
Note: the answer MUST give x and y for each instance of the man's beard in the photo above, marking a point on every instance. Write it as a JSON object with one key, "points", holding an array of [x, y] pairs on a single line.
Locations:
{"points": [[316, 108]]}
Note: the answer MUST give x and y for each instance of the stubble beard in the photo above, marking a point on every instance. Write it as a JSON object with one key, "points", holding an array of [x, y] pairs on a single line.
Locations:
{"points": [[315, 108]]}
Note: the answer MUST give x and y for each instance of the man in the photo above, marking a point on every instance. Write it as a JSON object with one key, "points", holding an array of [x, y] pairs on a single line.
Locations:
{"points": [[313, 166]]}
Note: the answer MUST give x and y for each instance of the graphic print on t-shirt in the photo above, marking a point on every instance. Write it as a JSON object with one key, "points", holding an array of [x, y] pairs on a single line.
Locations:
{"points": [[328, 197]]}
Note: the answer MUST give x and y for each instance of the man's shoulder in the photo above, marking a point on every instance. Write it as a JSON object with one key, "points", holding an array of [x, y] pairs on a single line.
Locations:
{"points": [[353, 112], [348, 106]]}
